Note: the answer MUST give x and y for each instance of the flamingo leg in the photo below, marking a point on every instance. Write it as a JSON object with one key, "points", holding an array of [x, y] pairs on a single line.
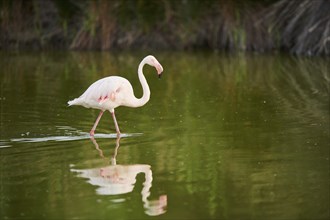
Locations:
{"points": [[95, 124], [97, 146], [116, 124], [113, 158]]}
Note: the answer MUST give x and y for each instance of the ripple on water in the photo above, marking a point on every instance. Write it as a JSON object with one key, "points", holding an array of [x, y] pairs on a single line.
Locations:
{"points": [[4, 144], [70, 134]]}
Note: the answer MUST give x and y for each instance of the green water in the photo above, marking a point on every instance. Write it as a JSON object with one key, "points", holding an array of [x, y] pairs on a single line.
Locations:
{"points": [[222, 137]]}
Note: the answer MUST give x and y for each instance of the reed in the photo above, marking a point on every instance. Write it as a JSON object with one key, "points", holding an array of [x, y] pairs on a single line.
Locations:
{"points": [[301, 26], [297, 26]]}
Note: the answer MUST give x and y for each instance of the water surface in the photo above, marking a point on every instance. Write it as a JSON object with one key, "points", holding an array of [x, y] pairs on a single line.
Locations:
{"points": [[222, 137]]}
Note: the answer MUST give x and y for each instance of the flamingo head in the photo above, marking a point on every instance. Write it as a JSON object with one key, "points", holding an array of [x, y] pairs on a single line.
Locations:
{"points": [[152, 61]]}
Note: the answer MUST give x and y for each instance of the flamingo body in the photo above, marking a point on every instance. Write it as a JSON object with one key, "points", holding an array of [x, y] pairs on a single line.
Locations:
{"points": [[106, 94], [113, 91]]}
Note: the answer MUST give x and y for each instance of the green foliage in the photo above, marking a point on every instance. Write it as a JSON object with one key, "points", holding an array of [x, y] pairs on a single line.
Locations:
{"points": [[299, 26], [145, 13], [66, 9]]}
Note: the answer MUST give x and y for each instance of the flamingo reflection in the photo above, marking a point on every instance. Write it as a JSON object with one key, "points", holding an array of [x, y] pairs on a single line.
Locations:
{"points": [[120, 179]]}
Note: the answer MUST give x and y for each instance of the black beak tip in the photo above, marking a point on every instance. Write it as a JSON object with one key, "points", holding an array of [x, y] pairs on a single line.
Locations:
{"points": [[159, 76]]}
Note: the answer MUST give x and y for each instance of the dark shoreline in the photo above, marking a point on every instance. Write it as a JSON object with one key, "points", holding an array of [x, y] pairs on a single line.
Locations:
{"points": [[301, 27]]}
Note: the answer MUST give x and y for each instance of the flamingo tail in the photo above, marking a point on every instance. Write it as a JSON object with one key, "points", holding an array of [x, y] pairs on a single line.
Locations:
{"points": [[76, 101]]}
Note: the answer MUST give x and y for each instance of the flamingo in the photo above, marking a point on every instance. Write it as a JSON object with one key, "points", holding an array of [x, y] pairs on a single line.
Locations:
{"points": [[113, 91]]}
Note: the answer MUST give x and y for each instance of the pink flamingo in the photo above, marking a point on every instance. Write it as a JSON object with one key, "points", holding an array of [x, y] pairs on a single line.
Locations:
{"points": [[113, 91]]}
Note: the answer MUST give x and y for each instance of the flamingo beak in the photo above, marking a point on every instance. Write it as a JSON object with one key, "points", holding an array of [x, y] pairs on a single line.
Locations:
{"points": [[159, 69]]}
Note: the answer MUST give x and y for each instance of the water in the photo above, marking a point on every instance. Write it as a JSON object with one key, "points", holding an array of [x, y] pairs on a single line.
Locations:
{"points": [[222, 137]]}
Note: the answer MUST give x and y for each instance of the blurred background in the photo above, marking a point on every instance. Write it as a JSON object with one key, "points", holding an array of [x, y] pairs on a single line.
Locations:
{"points": [[297, 26]]}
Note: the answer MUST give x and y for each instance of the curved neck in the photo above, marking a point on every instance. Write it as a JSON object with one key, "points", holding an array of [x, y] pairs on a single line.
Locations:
{"points": [[145, 87]]}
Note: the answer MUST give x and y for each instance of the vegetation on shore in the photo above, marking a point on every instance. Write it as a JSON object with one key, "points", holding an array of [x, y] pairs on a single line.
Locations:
{"points": [[297, 26]]}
